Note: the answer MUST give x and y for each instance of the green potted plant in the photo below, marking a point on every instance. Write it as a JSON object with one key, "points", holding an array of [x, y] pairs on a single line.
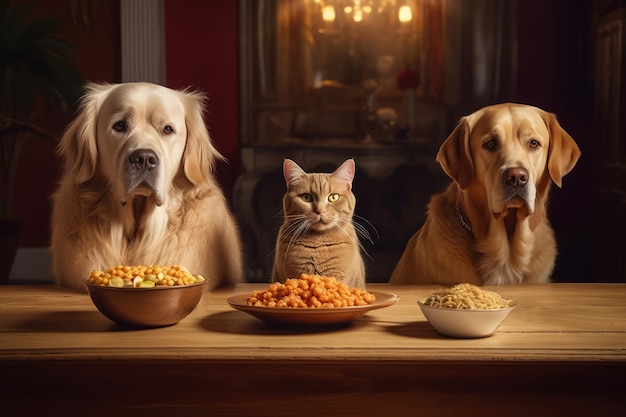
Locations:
{"points": [[37, 74]]}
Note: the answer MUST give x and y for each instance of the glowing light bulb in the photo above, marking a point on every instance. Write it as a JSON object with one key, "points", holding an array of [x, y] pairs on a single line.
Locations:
{"points": [[405, 14], [328, 14]]}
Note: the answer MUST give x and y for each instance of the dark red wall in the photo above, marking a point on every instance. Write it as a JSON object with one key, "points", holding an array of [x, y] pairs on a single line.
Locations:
{"points": [[202, 51], [96, 40]]}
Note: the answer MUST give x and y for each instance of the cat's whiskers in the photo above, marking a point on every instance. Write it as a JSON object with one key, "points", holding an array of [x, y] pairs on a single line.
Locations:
{"points": [[360, 231], [298, 226], [295, 224], [356, 223]]}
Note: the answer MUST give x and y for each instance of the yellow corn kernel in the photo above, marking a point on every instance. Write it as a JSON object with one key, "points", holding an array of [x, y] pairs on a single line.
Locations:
{"points": [[134, 275], [116, 282]]}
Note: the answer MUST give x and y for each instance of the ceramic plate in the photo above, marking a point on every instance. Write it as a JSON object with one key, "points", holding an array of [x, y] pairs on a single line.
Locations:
{"points": [[310, 316]]}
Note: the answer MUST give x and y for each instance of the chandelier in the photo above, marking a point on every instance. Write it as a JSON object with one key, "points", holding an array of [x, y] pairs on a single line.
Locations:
{"points": [[359, 10]]}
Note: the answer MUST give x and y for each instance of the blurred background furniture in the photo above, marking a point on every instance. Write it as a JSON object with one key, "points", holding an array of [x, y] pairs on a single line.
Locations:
{"points": [[381, 81], [609, 248]]}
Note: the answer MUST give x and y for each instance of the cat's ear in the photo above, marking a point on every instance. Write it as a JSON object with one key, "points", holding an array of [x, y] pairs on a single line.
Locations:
{"points": [[345, 172], [291, 171]]}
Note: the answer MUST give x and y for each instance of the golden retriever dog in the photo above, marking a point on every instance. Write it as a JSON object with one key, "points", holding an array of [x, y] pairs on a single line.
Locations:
{"points": [[490, 226], [138, 188]]}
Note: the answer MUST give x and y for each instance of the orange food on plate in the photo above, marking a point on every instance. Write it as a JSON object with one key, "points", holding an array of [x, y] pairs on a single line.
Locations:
{"points": [[311, 291]]}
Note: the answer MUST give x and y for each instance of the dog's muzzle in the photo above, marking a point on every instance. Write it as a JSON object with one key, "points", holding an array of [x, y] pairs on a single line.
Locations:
{"points": [[516, 184], [142, 173]]}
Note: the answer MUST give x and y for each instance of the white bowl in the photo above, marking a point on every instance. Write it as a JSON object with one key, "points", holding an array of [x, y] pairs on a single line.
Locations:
{"points": [[464, 323]]}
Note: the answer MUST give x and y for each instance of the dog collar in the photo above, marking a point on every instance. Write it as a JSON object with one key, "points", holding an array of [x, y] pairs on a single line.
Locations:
{"points": [[466, 225]]}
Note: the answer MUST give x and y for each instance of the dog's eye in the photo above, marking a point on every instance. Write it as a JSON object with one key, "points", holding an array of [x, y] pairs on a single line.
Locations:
{"points": [[491, 145], [534, 143], [120, 126], [168, 130], [306, 197]]}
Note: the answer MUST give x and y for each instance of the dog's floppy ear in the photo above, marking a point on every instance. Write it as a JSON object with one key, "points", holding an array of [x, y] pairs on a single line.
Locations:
{"points": [[563, 152], [200, 155], [455, 155], [78, 143]]}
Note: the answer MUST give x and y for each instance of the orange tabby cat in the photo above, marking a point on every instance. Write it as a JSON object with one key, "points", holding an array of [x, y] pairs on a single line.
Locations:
{"points": [[318, 235]]}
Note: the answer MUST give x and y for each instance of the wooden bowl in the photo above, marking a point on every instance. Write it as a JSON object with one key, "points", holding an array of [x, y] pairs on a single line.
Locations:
{"points": [[147, 307]]}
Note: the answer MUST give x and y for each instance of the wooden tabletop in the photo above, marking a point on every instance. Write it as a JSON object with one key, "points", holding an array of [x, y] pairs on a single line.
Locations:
{"points": [[554, 322], [558, 333]]}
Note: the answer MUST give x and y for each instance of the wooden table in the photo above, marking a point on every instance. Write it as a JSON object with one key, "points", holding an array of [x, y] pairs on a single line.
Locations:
{"points": [[561, 352]]}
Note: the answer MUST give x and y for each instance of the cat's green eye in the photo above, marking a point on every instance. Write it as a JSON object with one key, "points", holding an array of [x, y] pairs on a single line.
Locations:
{"points": [[333, 198], [306, 197]]}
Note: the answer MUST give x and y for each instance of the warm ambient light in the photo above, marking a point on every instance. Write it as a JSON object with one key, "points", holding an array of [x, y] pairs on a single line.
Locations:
{"points": [[357, 16], [328, 14], [405, 14], [357, 10]]}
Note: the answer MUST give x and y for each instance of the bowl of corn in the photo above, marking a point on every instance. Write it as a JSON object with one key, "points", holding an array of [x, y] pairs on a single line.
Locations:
{"points": [[145, 295]]}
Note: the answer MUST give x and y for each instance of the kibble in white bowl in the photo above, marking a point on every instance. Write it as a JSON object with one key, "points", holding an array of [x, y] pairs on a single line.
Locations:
{"points": [[466, 311]]}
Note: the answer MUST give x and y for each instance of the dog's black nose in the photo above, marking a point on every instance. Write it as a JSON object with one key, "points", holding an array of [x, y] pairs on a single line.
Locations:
{"points": [[515, 177], [144, 158]]}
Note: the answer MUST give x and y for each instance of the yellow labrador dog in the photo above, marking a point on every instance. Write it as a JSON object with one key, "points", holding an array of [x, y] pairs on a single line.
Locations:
{"points": [[138, 188], [490, 226]]}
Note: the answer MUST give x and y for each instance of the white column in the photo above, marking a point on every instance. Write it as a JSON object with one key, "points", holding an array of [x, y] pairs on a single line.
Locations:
{"points": [[143, 41]]}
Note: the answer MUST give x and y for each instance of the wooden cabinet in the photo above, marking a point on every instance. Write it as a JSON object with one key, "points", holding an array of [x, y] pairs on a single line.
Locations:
{"points": [[609, 238]]}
